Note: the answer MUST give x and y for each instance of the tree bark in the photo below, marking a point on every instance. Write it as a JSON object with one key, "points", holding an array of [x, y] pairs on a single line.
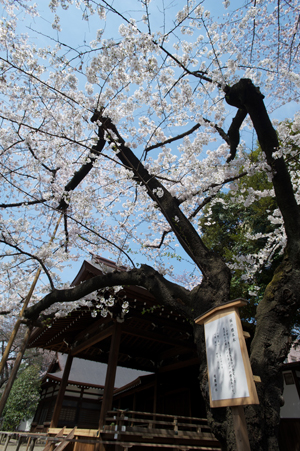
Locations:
{"points": [[276, 312]]}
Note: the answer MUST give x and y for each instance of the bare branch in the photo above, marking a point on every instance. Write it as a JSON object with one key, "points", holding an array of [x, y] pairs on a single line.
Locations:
{"points": [[30, 75], [198, 74], [188, 132], [200, 206], [234, 132], [66, 232], [101, 237], [170, 140], [20, 204], [33, 257], [158, 246], [253, 35]]}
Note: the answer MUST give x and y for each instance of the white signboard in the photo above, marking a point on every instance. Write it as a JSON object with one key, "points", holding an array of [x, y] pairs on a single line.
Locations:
{"points": [[227, 376]]}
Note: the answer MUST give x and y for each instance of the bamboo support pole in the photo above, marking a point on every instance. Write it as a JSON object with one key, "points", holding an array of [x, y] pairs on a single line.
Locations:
{"points": [[13, 374], [27, 299], [28, 443], [18, 360], [6, 443]]}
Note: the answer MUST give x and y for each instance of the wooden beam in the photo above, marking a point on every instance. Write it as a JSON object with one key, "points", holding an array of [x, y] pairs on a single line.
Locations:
{"points": [[94, 327], [111, 373], [61, 392], [227, 306], [159, 321], [153, 336], [92, 340], [176, 351], [176, 366]]}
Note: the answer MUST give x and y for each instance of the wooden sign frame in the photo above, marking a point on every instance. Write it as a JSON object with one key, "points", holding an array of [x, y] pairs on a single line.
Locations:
{"points": [[216, 314]]}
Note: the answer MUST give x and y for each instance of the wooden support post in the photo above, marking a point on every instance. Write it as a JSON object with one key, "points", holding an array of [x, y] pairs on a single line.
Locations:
{"points": [[13, 374], [110, 373], [240, 428], [61, 392], [32, 444], [230, 347], [19, 443], [155, 389]]}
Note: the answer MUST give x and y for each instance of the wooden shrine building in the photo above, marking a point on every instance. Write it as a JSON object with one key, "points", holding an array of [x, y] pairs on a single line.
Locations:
{"points": [[83, 393], [162, 409]]}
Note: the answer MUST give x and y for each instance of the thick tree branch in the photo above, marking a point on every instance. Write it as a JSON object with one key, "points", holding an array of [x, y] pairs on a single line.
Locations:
{"points": [[82, 172], [211, 265], [164, 290], [200, 206], [244, 95]]}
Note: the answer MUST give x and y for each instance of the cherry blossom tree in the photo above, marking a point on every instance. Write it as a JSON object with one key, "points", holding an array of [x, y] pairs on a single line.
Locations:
{"points": [[128, 137]]}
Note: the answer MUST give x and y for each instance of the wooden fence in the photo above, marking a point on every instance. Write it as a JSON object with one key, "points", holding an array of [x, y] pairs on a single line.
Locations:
{"points": [[125, 429]]}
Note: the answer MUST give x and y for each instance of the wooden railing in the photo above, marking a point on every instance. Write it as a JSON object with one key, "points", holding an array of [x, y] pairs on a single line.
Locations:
{"points": [[16, 439], [128, 428], [124, 429]]}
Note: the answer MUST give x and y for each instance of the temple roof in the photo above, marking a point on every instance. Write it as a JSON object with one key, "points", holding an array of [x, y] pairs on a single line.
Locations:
{"points": [[154, 337]]}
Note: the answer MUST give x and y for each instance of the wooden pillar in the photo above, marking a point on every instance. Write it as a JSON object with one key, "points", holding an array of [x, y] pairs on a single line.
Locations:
{"points": [[111, 373], [155, 389], [79, 405], [296, 380], [61, 392]]}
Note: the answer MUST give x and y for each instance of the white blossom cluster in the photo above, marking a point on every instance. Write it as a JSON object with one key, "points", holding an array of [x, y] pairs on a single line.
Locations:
{"points": [[104, 304], [156, 79]]}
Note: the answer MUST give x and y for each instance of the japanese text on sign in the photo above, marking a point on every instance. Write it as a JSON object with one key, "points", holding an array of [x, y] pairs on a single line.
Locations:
{"points": [[227, 376]]}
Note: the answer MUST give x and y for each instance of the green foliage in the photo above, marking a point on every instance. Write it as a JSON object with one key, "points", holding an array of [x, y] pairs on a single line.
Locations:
{"points": [[227, 232], [23, 398]]}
